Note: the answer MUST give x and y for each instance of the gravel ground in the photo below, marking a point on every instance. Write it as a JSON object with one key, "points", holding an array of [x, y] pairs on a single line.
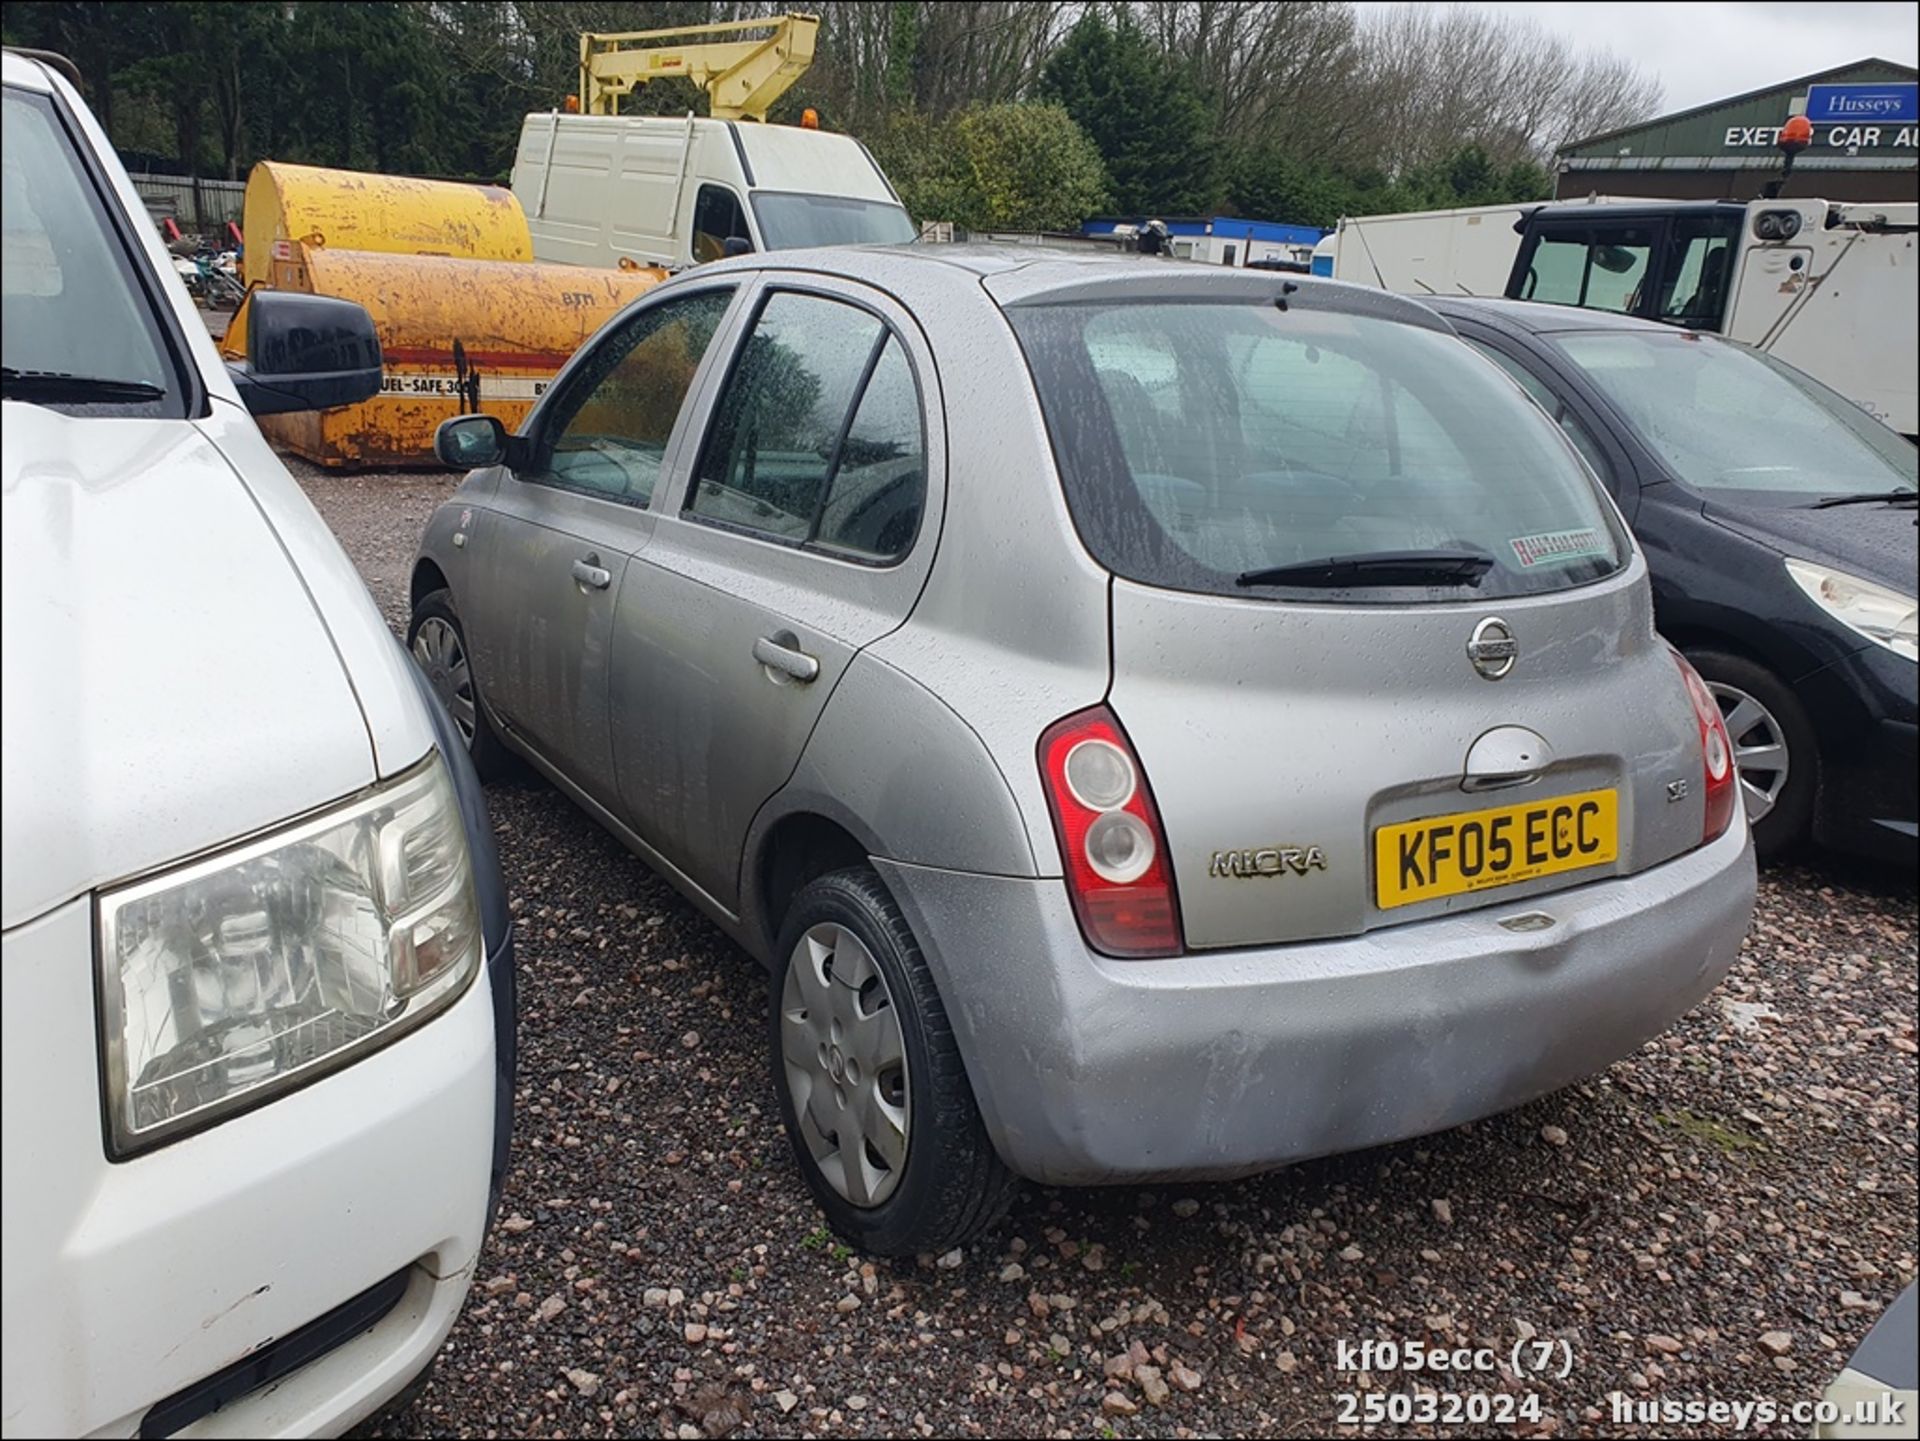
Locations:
{"points": [[1720, 1216]]}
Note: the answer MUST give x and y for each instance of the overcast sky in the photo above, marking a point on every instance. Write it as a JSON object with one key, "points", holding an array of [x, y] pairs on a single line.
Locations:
{"points": [[1706, 52]]}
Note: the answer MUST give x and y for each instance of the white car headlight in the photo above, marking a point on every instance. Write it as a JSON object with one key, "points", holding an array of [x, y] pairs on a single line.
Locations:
{"points": [[232, 979], [1881, 615]]}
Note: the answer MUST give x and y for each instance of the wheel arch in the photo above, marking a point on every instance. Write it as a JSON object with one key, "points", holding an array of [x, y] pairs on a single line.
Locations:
{"points": [[426, 579], [792, 849]]}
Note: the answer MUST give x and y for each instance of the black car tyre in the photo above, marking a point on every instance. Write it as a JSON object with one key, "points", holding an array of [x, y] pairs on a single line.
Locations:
{"points": [[1774, 748], [872, 1087], [439, 647]]}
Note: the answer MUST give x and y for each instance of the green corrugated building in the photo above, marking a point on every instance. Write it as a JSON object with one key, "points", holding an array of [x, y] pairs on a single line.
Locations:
{"points": [[1726, 150]]}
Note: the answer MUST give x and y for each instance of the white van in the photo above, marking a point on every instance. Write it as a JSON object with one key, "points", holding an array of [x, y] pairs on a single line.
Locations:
{"points": [[652, 190], [256, 976]]}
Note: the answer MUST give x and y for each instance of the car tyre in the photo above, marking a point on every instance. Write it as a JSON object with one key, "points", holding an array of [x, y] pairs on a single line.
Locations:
{"points": [[1763, 715], [844, 933], [438, 644]]}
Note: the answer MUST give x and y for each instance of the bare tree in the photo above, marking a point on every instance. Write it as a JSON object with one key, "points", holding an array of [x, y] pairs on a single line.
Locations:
{"points": [[1431, 80], [1275, 69]]}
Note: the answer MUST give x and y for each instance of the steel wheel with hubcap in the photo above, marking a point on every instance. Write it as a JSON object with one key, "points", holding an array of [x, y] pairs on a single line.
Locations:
{"points": [[438, 645], [846, 1064], [872, 1086]]}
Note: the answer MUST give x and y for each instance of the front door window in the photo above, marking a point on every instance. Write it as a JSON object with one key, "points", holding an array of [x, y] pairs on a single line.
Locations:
{"points": [[608, 433]]}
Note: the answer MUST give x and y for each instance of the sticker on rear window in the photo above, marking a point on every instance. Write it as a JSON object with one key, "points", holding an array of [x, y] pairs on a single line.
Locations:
{"points": [[1557, 546]]}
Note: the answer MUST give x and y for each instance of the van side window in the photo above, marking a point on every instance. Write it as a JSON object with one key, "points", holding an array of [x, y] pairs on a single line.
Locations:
{"points": [[817, 438], [717, 218], [607, 434]]}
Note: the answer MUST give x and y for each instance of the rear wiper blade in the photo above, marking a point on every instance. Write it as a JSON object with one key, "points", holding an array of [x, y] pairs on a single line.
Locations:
{"points": [[1386, 567], [61, 385], [1868, 497]]}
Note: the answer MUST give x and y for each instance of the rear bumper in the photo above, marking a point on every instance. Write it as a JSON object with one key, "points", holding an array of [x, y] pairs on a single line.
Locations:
{"points": [[1090, 1070]]}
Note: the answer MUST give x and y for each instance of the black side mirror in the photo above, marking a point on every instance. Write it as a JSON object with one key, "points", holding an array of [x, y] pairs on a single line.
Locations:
{"points": [[469, 442], [306, 352], [736, 245]]}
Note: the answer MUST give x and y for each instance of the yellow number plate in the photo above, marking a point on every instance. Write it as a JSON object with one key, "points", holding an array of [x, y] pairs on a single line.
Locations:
{"points": [[1475, 850]]}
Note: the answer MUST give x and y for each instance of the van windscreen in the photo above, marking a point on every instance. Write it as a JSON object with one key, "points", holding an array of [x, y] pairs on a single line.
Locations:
{"points": [[793, 221]]}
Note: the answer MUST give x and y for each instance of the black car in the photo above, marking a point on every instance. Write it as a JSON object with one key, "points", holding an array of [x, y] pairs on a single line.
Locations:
{"points": [[1779, 523]]}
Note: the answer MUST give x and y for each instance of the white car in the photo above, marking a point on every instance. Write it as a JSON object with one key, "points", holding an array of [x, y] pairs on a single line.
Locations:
{"points": [[256, 987]]}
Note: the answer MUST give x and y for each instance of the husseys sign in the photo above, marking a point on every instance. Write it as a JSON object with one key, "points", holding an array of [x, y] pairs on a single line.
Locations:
{"points": [[1847, 117]]}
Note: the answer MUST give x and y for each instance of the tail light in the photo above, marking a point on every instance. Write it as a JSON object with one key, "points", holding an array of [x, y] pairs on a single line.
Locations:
{"points": [[1716, 753], [1110, 837]]}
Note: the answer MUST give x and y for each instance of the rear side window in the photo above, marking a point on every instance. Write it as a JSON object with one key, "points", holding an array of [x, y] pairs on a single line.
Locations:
{"points": [[1554, 406], [1200, 442], [817, 439]]}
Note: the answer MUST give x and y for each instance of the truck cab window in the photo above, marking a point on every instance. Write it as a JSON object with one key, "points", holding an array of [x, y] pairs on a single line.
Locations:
{"points": [[1597, 267], [1699, 266], [717, 218]]}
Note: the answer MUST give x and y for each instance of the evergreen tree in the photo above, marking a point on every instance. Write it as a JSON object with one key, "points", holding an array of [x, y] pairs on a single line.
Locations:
{"points": [[1148, 119]]}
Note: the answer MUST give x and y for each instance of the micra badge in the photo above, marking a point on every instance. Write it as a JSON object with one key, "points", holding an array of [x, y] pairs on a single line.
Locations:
{"points": [[1268, 861]]}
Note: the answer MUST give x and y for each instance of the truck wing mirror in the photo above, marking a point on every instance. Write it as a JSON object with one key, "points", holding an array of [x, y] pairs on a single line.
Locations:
{"points": [[305, 352]]}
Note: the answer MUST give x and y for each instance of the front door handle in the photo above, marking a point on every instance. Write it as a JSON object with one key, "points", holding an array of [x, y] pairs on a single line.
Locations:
{"points": [[591, 575], [782, 653]]}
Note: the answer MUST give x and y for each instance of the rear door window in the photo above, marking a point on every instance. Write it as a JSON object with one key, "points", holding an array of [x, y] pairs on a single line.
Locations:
{"points": [[1199, 442], [817, 438]]}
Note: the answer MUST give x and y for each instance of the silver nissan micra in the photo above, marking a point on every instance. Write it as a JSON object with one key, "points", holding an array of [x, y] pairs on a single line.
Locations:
{"points": [[1151, 720]]}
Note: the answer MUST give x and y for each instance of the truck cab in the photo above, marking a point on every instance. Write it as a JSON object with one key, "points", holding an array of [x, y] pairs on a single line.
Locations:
{"points": [[1667, 261], [613, 190], [1828, 288]]}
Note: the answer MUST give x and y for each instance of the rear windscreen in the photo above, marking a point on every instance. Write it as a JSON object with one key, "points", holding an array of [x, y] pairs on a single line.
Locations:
{"points": [[1201, 442]]}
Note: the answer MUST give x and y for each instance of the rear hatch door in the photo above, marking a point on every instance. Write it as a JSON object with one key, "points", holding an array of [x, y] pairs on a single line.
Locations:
{"points": [[1326, 751]]}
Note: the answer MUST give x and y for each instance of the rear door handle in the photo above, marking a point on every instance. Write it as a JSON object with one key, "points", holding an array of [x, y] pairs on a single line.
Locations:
{"points": [[591, 575], [786, 658]]}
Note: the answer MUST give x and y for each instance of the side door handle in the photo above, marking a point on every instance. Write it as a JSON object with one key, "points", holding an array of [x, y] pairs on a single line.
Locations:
{"points": [[782, 653], [591, 575]]}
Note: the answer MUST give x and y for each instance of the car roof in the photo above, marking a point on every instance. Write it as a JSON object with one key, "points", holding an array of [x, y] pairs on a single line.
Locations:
{"points": [[1535, 317], [1016, 275]]}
